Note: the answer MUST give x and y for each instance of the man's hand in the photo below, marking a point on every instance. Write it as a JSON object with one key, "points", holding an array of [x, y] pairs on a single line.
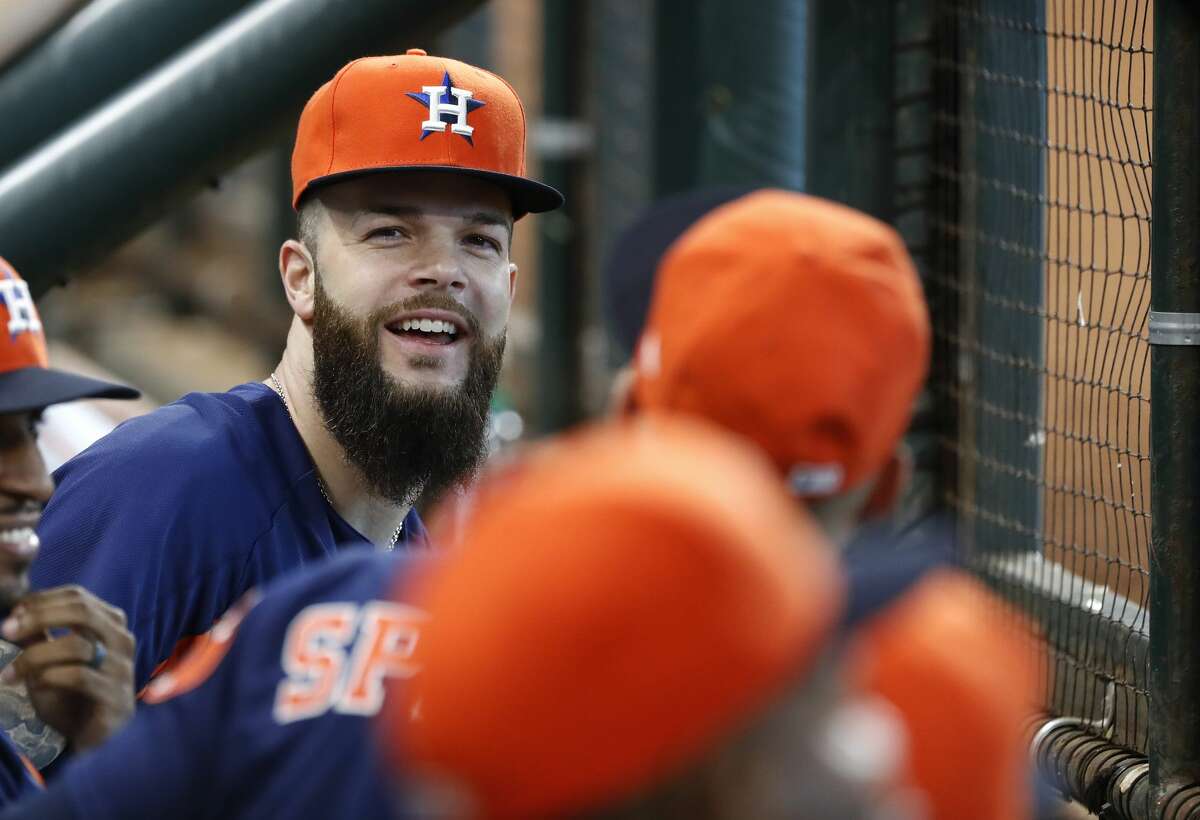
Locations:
{"points": [[80, 682]]}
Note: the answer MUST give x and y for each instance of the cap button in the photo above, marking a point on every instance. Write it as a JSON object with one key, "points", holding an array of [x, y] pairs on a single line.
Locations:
{"points": [[417, 52]]}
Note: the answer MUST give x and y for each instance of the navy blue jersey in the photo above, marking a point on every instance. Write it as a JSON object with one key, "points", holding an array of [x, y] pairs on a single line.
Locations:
{"points": [[175, 515], [270, 717], [18, 778]]}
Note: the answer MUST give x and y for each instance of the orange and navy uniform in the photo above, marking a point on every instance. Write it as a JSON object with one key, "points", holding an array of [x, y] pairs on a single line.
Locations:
{"points": [[269, 716]]}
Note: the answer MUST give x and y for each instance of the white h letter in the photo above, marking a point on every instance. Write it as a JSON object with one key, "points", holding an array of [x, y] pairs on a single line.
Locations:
{"points": [[22, 315], [457, 108]]}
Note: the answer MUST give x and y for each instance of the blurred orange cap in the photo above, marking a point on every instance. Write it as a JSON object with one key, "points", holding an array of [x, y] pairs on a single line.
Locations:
{"points": [[629, 597], [415, 112], [796, 322], [957, 707]]}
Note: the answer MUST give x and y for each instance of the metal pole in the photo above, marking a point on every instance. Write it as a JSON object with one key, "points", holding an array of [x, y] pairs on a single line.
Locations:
{"points": [[753, 59], [103, 48], [1175, 399], [729, 94], [678, 102], [851, 119], [936, 463], [95, 185], [560, 280]]}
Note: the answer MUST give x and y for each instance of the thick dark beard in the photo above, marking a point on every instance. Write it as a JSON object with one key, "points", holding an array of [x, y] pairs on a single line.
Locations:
{"points": [[404, 440]]}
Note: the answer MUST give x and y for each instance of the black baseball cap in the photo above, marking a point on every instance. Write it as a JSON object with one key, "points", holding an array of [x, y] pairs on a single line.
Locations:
{"points": [[628, 280]]}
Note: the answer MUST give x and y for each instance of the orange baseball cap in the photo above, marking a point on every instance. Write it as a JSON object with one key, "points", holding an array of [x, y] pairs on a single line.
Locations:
{"points": [[629, 596], [956, 708], [415, 112], [796, 322], [26, 381]]}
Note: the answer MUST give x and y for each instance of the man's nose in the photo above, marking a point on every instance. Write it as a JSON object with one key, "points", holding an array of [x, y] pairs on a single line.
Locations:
{"points": [[23, 473], [438, 269]]}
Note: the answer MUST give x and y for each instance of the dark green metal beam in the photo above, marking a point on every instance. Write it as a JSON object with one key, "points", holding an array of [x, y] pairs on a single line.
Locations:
{"points": [[99, 51], [622, 166], [1174, 399], [678, 95], [851, 117], [729, 94], [560, 277], [752, 58], [98, 183]]}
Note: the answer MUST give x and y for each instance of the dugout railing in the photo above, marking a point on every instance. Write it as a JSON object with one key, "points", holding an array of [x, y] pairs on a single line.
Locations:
{"points": [[1031, 146]]}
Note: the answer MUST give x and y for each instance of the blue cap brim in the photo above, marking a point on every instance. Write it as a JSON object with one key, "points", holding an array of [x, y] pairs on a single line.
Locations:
{"points": [[528, 196], [32, 388]]}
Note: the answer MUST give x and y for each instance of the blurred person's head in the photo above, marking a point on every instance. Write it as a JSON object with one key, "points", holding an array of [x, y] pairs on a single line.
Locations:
{"points": [[961, 668], [408, 173], [799, 324], [820, 751], [634, 625], [27, 387], [627, 280]]}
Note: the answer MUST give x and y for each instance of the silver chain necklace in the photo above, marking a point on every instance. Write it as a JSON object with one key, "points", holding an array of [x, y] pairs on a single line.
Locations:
{"points": [[321, 484]]}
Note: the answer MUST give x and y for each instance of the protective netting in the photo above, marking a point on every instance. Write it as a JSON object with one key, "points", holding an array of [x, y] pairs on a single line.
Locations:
{"points": [[1037, 255]]}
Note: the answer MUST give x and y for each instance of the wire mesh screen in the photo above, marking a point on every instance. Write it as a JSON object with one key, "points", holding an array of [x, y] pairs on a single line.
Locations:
{"points": [[1037, 255]]}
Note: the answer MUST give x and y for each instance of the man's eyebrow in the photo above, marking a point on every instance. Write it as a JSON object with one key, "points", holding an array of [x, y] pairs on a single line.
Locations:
{"points": [[488, 218], [390, 210], [474, 218]]}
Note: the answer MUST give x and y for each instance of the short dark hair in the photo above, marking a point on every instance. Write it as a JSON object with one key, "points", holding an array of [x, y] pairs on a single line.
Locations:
{"points": [[306, 223]]}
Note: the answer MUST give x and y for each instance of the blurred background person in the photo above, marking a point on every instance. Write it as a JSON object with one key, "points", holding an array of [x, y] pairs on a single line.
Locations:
{"points": [[800, 325], [67, 656], [635, 625], [569, 671]]}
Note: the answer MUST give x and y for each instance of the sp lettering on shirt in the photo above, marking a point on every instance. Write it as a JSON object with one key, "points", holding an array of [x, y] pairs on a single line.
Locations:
{"points": [[336, 656]]}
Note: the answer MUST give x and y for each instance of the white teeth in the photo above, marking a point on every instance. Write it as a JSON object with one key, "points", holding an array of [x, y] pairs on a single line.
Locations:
{"points": [[429, 326], [20, 534]]}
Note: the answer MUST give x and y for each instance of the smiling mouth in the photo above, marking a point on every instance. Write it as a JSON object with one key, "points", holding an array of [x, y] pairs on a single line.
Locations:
{"points": [[426, 331], [21, 542]]}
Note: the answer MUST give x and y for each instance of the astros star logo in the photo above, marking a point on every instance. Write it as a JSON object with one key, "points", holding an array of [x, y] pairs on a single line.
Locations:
{"points": [[441, 113], [14, 294]]}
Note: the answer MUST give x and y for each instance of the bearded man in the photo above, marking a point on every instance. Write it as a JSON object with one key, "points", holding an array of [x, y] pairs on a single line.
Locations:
{"points": [[408, 172]]}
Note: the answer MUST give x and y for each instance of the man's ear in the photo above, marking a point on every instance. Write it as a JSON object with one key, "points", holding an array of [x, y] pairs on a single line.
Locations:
{"points": [[299, 274], [512, 280]]}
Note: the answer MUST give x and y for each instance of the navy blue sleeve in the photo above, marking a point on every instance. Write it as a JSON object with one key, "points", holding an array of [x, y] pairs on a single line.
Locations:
{"points": [[42, 806], [163, 763], [16, 777], [209, 740], [881, 566], [154, 519]]}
